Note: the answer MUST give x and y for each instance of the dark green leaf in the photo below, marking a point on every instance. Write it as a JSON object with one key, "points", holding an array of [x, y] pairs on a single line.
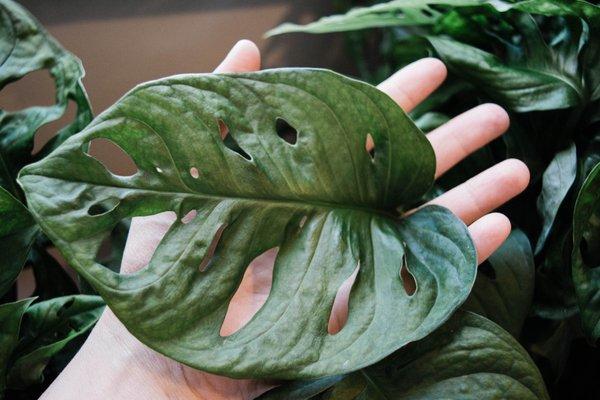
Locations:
{"points": [[324, 201], [586, 253], [535, 87], [26, 47], [301, 390], [17, 232], [47, 328], [10, 322], [556, 182], [469, 357], [504, 286], [51, 280]]}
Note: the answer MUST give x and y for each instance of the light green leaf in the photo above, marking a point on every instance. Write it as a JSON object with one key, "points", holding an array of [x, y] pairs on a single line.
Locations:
{"points": [[504, 286], [47, 328], [10, 322], [321, 198], [17, 232], [469, 357], [586, 253], [25, 46], [556, 182]]}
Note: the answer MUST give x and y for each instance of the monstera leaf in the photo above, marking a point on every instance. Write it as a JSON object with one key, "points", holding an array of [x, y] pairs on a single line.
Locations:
{"points": [[469, 357], [10, 324], [25, 46], [586, 253], [292, 173]]}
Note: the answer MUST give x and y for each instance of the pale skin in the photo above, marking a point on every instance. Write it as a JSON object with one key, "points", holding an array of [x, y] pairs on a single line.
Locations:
{"points": [[112, 364]]}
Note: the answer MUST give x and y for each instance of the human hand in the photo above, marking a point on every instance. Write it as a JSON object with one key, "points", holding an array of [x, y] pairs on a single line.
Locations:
{"points": [[113, 364]]}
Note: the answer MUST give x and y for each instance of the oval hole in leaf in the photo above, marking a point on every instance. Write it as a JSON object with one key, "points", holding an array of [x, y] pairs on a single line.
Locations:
{"points": [[302, 221], [370, 146], [252, 293], [230, 142], [112, 156], [103, 207], [285, 131], [408, 280], [189, 216], [211, 249], [194, 173], [339, 310], [110, 252]]}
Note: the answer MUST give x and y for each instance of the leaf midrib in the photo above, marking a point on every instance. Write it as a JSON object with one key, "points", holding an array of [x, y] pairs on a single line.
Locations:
{"points": [[297, 204]]}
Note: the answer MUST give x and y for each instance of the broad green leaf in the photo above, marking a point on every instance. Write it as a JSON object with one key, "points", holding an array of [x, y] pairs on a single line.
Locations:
{"points": [[556, 182], [427, 12], [321, 198], [25, 46], [51, 280], [469, 357], [17, 232], [48, 326], [586, 253], [301, 390], [520, 89], [10, 322], [504, 286]]}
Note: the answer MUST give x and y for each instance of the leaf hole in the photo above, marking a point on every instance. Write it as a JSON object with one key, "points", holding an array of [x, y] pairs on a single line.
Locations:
{"points": [[302, 222], [285, 131], [159, 170], [189, 216], [110, 251], [370, 146], [103, 207], [408, 280], [230, 142], [112, 156], [194, 173], [251, 294], [339, 310], [210, 252]]}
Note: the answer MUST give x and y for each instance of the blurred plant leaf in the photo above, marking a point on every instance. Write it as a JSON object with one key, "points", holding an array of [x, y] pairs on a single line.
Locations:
{"points": [[586, 253], [25, 46], [47, 327], [556, 182], [504, 285], [17, 233], [11, 315]]}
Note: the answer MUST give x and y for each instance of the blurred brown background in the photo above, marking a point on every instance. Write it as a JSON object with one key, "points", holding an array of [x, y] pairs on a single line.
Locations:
{"points": [[126, 42]]}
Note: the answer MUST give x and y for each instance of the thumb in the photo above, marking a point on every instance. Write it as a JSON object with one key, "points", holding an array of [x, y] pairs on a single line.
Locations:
{"points": [[244, 56]]}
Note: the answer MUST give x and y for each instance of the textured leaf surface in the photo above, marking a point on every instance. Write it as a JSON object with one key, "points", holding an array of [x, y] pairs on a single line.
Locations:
{"points": [[47, 328], [469, 357], [17, 232], [25, 46], [557, 180], [325, 202], [586, 253], [504, 286]]}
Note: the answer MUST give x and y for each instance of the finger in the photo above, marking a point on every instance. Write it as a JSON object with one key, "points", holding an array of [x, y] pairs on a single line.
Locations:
{"points": [[244, 56], [486, 191], [466, 133], [146, 233], [488, 233], [413, 83]]}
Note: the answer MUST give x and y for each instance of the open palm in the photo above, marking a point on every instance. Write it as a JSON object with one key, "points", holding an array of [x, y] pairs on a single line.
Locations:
{"points": [[113, 364]]}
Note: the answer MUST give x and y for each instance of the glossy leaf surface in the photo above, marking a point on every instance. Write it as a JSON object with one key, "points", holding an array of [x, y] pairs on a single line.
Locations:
{"points": [[324, 201]]}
